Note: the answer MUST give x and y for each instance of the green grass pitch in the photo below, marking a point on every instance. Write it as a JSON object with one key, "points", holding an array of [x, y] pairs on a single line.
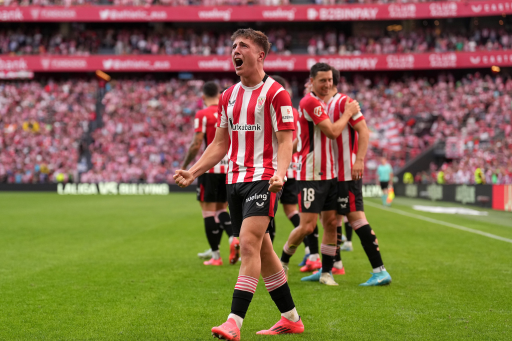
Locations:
{"points": [[125, 268]]}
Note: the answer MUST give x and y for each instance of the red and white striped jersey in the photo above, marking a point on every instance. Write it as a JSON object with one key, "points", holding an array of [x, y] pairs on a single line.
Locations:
{"points": [[345, 145], [316, 158], [205, 122], [292, 170], [252, 116]]}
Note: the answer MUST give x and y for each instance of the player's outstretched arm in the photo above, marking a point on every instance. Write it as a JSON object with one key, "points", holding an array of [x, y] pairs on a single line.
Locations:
{"points": [[284, 157], [333, 130], [362, 147], [193, 149], [211, 156]]}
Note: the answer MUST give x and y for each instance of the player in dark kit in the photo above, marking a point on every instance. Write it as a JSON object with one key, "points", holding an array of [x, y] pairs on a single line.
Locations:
{"points": [[255, 129], [211, 186]]}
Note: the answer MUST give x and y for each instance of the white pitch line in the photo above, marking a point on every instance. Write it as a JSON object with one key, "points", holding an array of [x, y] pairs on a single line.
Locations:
{"points": [[435, 221]]}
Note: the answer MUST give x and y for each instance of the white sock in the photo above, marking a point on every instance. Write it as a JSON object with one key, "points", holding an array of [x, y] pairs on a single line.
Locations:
{"points": [[314, 257], [338, 265], [379, 269], [347, 243], [306, 250], [216, 254], [238, 320], [291, 315], [230, 240]]}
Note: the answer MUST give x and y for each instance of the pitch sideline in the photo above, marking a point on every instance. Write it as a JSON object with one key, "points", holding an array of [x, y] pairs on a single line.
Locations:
{"points": [[440, 222]]}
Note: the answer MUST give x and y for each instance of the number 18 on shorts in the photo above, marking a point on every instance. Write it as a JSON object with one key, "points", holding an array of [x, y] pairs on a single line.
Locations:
{"points": [[317, 196]]}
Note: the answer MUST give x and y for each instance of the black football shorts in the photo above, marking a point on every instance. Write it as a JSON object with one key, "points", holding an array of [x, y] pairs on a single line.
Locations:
{"points": [[317, 196], [211, 188], [250, 199], [350, 196]]}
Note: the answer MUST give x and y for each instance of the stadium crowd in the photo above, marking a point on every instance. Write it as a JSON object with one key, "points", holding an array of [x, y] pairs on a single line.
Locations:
{"points": [[173, 41], [127, 41], [148, 125], [41, 129]]}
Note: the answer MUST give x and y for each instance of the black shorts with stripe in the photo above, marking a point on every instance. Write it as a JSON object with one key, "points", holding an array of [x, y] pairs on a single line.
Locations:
{"points": [[290, 192], [317, 196], [211, 188], [250, 199], [350, 196]]}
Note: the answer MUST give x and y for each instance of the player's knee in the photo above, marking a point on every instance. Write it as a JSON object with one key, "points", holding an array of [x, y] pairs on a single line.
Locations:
{"points": [[249, 249], [308, 228]]}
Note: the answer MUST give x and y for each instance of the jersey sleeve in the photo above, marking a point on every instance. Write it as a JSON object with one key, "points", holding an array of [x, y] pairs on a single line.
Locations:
{"points": [[355, 119], [314, 110], [281, 111], [222, 118], [199, 127]]}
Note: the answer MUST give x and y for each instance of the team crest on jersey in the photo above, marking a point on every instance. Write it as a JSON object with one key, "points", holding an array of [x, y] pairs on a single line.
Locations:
{"points": [[318, 111], [231, 103], [261, 101], [307, 204]]}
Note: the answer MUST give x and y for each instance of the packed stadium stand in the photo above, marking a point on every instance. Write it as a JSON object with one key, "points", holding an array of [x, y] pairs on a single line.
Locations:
{"points": [[137, 127], [80, 39]]}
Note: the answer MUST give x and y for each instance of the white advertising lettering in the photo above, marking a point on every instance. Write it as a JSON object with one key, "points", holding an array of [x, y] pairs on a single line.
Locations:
{"points": [[279, 64], [11, 15], [215, 14], [113, 14], [443, 9], [491, 59], [279, 14], [355, 63], [64, 63], [13, 64], [215, 64], [56, 13], [400, 61], [135, 64], [465, 194], [112, 188], [344, 13], [402, 11], [371, 191], [494, 7], [443, 60]]}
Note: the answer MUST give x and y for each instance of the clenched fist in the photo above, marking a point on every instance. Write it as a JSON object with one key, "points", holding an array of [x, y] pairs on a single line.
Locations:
{"points": [[183, 178]]}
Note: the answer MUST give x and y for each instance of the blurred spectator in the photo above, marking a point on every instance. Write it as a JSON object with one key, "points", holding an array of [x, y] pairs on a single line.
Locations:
{"points": [[41, 126]]}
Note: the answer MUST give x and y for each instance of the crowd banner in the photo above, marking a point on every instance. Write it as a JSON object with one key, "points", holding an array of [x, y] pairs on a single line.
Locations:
{"points": [[163, 63], [346, 12], [476, 195]]}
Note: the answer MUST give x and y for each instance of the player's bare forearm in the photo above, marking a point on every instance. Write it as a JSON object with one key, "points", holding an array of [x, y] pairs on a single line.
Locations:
{"points": [[339, 125], [213, 154], [284, 151], [363, 139], [193, 149], [391, 179]]}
